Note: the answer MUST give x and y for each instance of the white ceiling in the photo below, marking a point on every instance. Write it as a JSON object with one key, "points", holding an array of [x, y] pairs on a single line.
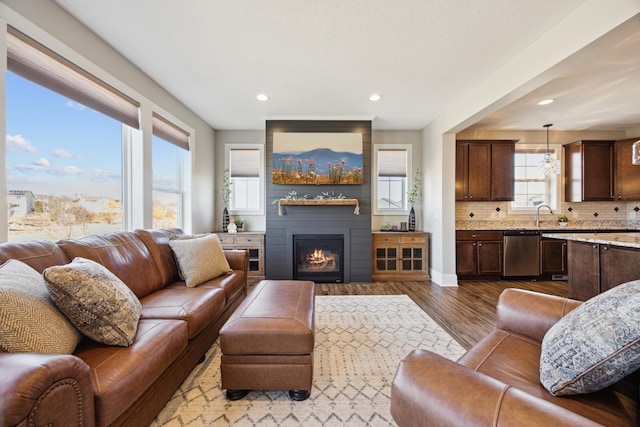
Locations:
{"points": [[324, 58]]}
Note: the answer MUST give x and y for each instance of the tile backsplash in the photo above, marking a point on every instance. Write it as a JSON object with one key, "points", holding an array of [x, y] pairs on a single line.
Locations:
{"points": [[586, 215]]}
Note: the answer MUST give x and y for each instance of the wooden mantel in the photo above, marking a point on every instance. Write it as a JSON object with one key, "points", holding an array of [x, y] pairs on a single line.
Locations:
{"points": [[319, 202]]}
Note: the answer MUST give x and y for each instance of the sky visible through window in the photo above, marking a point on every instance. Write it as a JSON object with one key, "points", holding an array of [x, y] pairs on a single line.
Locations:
{"points": [[58, 147]]}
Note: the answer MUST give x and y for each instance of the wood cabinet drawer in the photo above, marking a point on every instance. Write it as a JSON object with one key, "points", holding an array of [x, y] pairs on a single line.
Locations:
{"points": [[243, 240], [227, 239], [412, 239], [386, 239], [478, 235]]}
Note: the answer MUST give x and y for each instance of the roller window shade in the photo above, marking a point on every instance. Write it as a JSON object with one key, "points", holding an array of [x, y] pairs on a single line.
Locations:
{"points": [[392, 163], [244, 163], [41, 65], [162, 128]]}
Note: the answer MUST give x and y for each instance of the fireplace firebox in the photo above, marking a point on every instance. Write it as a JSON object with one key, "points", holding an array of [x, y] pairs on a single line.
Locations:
{"points": [[318, 257]]}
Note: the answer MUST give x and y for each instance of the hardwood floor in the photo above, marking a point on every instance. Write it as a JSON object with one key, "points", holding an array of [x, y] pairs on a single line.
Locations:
{"points": [[467, 312]]}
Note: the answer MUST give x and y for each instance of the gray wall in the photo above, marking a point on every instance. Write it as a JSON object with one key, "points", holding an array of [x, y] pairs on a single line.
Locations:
{"points": [[319, 219]]}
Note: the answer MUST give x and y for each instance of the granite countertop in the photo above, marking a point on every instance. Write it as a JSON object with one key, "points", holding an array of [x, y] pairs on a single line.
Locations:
{"points": [[630, 240], [546, 225]]}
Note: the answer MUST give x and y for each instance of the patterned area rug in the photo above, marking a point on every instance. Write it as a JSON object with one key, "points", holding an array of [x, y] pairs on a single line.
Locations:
{"points": [[359, 342]]}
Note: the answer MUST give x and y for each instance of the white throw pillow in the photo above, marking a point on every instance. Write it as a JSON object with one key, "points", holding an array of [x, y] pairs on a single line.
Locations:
{"points": [[98, 303], [200, 259], [29, 321], [595, 345]]}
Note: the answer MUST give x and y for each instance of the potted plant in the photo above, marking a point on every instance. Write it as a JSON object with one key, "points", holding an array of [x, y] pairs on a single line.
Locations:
{"points": [[240, 224], [563, 220]]}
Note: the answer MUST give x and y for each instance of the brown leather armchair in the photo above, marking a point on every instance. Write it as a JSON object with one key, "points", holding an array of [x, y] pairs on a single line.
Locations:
{"points": [[497, 382]]}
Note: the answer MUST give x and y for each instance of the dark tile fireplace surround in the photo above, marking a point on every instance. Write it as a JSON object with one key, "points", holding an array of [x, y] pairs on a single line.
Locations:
{"points": [[319, 220]]}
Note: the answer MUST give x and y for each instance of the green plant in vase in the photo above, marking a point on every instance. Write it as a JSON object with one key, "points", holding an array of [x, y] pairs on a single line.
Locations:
{"points": [[226, 196], [413, 195], [240, 224]]}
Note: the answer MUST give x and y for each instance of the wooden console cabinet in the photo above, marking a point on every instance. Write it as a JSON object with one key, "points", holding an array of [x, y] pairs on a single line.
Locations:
{"points": [[400, 256], [253, 242]]}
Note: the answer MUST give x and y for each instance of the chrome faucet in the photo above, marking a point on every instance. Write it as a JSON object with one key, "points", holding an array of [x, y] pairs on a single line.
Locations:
{"points": [[538, 213]]}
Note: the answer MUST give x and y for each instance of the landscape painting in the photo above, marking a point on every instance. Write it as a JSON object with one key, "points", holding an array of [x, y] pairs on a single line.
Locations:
{"points": [[317, 158]]}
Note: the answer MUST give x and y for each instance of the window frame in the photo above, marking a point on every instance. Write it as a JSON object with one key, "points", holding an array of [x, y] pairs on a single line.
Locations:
{"points": [[555, 198], [374, 181], [137, 185], [261, 177]]}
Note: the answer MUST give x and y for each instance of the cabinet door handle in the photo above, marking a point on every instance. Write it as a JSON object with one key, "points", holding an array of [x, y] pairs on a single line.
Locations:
{"points": [[594, 246], [606, 248], [479, 244]]}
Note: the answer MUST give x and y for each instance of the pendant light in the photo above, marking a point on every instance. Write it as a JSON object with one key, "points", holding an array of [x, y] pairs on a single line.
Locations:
{"points": [[549, 164]]}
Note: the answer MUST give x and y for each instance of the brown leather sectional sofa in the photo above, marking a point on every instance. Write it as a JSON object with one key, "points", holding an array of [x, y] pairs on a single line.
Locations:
{"points": [[497, 382], [109, 385]]}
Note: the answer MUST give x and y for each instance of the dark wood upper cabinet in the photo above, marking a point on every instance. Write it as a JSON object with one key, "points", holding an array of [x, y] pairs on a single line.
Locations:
{"points": [[502, 170], [484, 170], [627, 175], [589, 171]]}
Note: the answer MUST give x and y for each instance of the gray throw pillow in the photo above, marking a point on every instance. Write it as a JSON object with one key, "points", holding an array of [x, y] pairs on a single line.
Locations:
{"points": [[99, 304], [595, 345], [29, 321], [200, 259]]}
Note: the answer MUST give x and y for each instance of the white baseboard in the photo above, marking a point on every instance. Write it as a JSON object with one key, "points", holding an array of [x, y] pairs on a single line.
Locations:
{"points": [[443, 280]]}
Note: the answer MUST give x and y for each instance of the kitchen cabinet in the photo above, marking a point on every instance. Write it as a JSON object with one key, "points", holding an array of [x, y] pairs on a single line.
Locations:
{"points": [[597, 267], [253, 242], [589, 171], [478, 254], [400, 256], [627, 175], [553, 257], [484, 170]]}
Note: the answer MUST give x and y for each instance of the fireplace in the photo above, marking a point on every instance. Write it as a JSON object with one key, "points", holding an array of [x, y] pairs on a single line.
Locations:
{"points": [[318, 257]]}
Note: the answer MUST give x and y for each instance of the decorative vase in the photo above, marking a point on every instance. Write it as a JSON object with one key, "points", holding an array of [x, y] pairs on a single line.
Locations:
{"points": [[412, 220], [225, 219]]}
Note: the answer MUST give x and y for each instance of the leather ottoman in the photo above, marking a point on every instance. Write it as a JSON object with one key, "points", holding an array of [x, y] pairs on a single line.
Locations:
{"points": [[267, 344]]}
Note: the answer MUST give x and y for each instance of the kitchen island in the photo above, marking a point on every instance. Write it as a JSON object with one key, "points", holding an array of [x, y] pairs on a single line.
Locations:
{"points": [[599, 261]]}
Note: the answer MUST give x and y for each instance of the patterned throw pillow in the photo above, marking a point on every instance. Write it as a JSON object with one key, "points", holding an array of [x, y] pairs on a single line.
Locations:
{"points": [[595, 345], [29, 321], [99, 304], [200, 259]]}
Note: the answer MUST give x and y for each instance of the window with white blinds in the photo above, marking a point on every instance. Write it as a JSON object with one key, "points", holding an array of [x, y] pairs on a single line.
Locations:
{"points": [[246, 171], [39, 64], [392, 165]]}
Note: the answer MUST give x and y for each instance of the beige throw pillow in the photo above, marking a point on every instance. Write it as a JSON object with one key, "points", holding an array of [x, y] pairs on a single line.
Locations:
{"points": [[29, 321], [200, 259], [98, 303]]}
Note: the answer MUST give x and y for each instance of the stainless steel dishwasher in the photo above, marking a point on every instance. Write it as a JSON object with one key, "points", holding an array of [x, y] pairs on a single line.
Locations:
{"points": [[521, 253]]}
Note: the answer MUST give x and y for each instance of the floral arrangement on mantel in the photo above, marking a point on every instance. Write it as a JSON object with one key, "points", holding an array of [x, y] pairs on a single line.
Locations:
{"points": [[293, 196]]}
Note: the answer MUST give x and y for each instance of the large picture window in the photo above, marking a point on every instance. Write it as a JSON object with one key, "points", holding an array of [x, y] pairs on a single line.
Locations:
{"points": [[70, 154], [64, 165]]}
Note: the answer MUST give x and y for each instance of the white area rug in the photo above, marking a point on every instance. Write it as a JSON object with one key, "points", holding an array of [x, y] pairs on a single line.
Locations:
{"points": [[359, 342]]}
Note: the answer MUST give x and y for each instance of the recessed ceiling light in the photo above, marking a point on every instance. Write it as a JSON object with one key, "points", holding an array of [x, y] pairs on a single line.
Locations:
{"points": [[375, 97], [546, 101], [262, 97]]}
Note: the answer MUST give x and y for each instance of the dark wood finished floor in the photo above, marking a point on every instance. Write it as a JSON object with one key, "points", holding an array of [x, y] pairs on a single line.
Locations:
{"points": [[467, 312]]}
